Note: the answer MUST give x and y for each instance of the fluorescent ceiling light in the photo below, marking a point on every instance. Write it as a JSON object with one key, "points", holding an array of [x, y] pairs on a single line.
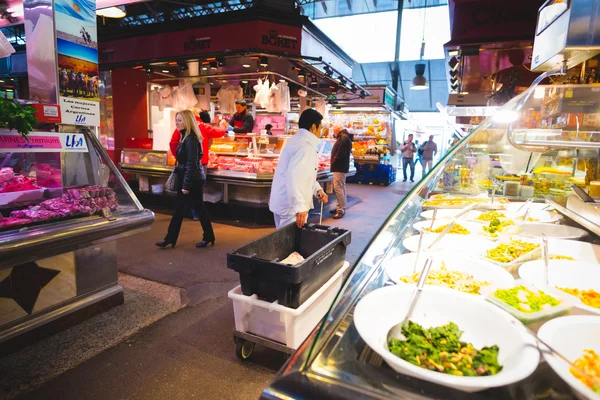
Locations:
{"points": [[166, 71], [111, 12], [246, 65]]}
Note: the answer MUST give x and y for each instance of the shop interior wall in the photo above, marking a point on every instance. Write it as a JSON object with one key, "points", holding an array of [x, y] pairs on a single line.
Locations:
{"points": [[130, 106]]}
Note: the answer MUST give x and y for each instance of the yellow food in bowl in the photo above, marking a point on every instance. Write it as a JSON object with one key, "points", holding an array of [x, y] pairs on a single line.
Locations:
{"points": [[457, 229], [589, 363]]}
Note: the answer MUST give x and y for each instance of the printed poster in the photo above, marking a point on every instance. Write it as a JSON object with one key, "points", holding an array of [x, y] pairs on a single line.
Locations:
{"points": [[77, 48], [41, 57]]}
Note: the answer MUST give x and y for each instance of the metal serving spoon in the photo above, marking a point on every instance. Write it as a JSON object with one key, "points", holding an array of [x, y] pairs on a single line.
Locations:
{"points": [[396, 330]]}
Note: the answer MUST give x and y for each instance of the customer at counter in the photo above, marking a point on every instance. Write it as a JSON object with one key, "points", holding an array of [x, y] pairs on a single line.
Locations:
{"points": [[295, 181], [242, 121], [340, 165]]}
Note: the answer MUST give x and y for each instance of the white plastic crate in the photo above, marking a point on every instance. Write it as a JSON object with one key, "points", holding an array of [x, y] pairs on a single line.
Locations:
{"points": [[282, 324]]}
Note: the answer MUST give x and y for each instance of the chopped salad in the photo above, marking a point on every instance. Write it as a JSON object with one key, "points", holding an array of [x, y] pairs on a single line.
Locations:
{"points": [[440, 349], [490, 215], [589, 363], [526, 300], [496, 227], [508, 252], [588, 297], [451, 279], [457, 229]]}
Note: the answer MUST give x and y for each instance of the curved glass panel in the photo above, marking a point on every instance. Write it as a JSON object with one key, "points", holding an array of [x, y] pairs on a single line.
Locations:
{"points": [[535, 147]]}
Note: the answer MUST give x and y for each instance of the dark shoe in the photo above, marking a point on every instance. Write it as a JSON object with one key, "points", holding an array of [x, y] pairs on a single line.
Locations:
{"points": [[412, 180], [339, 214], [205, 243], [332, 211], [404, 180], [164, 243]]}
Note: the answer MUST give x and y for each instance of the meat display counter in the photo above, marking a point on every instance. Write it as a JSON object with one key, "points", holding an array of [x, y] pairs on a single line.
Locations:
{"points": [[240, 168], [63, 204], [534, 148]]}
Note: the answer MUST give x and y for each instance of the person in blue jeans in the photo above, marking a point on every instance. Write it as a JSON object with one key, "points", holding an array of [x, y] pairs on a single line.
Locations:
{"points": [[408, 150]]}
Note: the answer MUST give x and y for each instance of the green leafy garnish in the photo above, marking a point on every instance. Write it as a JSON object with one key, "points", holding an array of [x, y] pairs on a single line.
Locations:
{"points": [[440, 349]]}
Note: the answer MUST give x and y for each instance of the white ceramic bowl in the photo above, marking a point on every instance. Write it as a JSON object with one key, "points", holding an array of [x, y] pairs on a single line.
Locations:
{"points": [[534, 207], [469, 244], [551, 231], [570, 336], [542, 217], [449, 214], [378, 311], [567, 274], [472, 227], [580, 251], [481, 270]]}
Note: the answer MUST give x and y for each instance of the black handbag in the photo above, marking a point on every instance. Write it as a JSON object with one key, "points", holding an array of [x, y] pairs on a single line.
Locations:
{"points": [[174, 182]]}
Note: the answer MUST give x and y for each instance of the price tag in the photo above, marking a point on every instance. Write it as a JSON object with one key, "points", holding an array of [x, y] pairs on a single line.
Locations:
{"points": [[106, 213]]}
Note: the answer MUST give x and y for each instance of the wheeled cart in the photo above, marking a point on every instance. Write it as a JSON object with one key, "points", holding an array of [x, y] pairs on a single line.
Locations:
{"points": [[275, 326]]}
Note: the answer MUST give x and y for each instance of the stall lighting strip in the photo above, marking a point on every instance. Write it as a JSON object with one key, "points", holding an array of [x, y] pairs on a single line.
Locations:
{"points": [[245, 75]]}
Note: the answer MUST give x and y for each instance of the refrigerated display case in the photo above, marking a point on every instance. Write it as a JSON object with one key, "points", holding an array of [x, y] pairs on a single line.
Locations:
{"points": [[240, 167], [63, 204], [335, 362]]}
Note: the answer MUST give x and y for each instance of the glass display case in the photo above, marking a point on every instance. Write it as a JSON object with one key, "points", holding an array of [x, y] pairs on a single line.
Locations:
{"points": [[533, 148], [63, 204]]}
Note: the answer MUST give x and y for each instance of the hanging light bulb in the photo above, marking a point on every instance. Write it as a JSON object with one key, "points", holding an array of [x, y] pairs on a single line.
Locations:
{"points": [[419, 82]]}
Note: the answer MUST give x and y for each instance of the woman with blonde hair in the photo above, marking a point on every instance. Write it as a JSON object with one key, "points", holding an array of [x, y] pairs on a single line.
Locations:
{"points": [[191, 181]]}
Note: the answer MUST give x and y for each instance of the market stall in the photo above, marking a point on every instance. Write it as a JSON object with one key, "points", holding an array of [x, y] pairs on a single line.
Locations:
{"points": [[373, 123], [63, 204], [494, 255]]}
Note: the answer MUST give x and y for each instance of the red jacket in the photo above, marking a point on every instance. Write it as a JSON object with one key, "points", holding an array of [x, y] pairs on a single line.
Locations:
{"points": [[208, 132]]}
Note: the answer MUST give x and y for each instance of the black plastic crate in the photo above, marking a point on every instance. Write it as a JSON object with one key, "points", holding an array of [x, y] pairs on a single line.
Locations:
{"points": [[324, 252]]}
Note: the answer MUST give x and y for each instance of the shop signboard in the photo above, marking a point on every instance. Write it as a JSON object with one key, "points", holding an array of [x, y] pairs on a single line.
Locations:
{"points": [[47, 113], [41, 54], [77, 48], [377, 97], [43, 142], [261, 35], [490, 20]]}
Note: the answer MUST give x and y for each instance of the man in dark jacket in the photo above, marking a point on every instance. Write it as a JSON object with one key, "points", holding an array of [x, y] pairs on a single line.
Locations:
{"points": [[242, 121], [340, 164]]}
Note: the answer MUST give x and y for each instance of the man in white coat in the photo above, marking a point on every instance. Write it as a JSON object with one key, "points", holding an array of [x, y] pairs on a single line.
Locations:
{"points": [[295, 182]]}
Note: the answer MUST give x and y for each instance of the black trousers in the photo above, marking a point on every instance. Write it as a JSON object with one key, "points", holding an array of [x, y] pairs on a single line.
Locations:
{"points": [[194, 200]]}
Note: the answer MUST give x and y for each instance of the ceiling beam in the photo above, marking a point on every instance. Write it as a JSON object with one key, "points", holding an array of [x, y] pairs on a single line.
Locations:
{"points": [[324, 6], [349, 3]]}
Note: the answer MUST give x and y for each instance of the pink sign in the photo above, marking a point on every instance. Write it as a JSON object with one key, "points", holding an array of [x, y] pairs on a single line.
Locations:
{"points": [[35, 142], [43, 142]]}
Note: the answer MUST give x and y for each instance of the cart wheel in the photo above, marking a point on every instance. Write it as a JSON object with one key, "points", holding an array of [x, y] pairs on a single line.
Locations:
{"points": [[244, 349]]}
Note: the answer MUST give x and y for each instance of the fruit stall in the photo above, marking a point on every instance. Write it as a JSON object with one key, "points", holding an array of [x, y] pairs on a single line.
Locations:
{"points": [[373, 122], [63, 204]]}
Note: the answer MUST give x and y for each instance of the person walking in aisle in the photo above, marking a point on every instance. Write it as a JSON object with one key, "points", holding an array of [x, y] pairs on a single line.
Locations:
{"points": [[340, 165], [408, 150], [191, 181], [208, 132], [295, 181], [429, 149]]}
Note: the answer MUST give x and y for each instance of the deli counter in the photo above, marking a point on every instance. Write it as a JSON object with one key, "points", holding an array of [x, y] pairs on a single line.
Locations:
{"points": [[240, 167], [492, 322], [63, 204]]}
